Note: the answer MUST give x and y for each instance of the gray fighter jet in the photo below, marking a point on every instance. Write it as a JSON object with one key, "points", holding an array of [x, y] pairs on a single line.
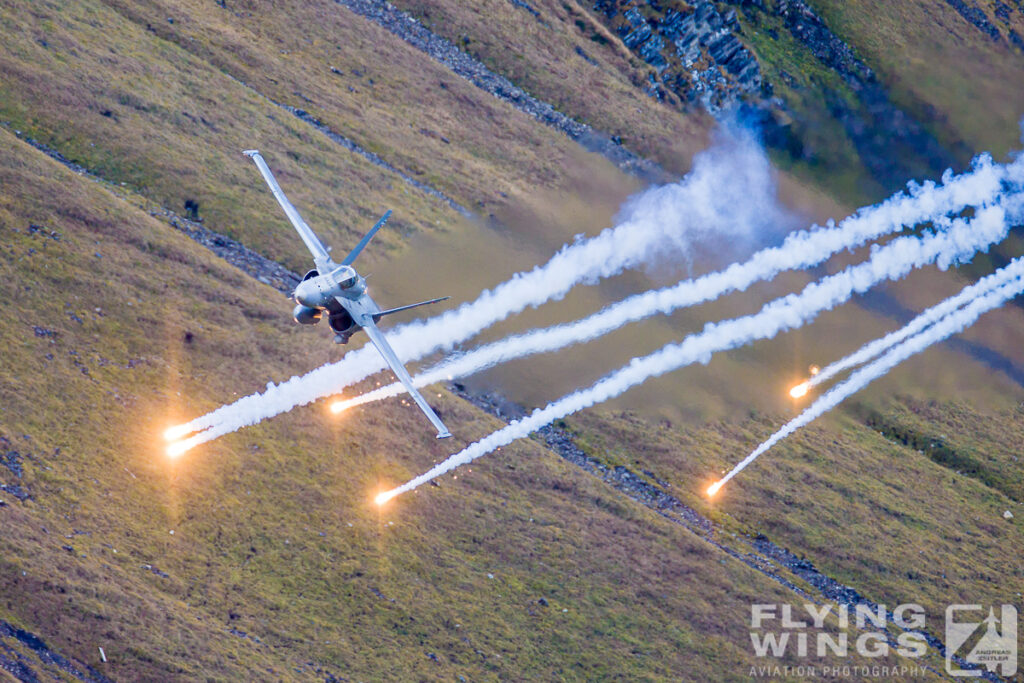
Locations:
{"points": [[339, 292]]}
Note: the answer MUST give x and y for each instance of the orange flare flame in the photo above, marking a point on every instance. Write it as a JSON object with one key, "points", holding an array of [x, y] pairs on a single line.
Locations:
{"points": [[176, 432], [800, 390], [176, 449]]}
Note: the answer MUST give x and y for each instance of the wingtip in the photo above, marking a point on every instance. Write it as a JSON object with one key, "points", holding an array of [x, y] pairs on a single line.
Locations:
{"points": [[444, 435], [250, 152]]}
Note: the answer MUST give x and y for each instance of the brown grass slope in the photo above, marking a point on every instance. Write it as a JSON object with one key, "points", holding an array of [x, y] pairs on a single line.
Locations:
{"points": [[865, 508], [137, 109], [374, 88], [262, 541], [543, 55], [274, 536], [946, 73], [164, 107], [940, 67]]}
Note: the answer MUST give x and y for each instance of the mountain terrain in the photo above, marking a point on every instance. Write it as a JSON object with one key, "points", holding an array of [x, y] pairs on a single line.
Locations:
{"points": [[145, 271]]}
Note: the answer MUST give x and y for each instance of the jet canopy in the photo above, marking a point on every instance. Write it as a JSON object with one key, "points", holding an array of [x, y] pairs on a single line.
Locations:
{"points": [[345, 276]]}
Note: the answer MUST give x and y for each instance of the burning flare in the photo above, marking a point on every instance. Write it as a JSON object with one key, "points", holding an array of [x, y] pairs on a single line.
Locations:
{"points": [[713, 489], [385, 496], [176, 449], [800, 390], [176, 432], [953, 323]]}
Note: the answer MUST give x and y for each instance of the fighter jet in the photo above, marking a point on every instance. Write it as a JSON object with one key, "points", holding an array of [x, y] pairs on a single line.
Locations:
{"points": [[339, 292]]}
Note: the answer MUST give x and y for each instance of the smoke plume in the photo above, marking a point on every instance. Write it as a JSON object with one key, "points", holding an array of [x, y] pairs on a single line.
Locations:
{"points": [[959, 242], [799, 250], [953, 323], [730, 193]]}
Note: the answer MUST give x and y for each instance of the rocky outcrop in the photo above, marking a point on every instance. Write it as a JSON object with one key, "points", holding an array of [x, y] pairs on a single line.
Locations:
{"points": [[698, 54], [12, 459], [413, 32], [976, 17], [809, 29], [693, 48], [1004, 13], [26, 656]]}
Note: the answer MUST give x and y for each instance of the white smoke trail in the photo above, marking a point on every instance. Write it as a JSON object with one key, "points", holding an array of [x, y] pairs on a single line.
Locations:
{"points": [[799, 250], [894, 260], [951, 324], [687, 206], [919, 323], [728, 194]]}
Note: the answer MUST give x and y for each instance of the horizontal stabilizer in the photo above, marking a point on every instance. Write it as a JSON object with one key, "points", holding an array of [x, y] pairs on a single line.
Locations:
{"points": [[381, 314]]}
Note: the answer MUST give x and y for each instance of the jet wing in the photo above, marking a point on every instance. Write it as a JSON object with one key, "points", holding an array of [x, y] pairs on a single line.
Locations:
{"points": [[381, 342], [313, 243]]}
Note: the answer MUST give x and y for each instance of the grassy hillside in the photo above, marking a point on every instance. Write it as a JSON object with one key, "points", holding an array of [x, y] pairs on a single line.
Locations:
{"points": [[566, 57], [878, 508], [260, 556], [114, 88], [139, 110], [940, 67], [932, 63]]}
